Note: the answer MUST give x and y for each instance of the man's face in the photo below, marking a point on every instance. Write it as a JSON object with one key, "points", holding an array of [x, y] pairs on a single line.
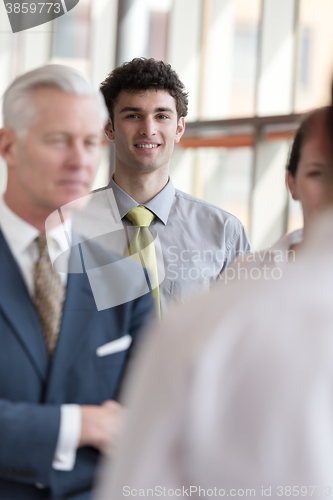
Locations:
{"points": [[55, 162], [145, 130]]}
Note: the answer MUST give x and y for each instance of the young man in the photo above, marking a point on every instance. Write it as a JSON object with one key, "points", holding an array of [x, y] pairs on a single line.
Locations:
{"points": [[61, 359], [147, 106]]}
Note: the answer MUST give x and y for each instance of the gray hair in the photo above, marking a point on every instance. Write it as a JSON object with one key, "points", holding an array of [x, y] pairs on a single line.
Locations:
{"points": [[18, 108]]}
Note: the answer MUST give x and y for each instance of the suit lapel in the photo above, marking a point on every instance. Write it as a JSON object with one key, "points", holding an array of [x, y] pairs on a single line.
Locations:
{"points": [[19, 310], [79, 309]]}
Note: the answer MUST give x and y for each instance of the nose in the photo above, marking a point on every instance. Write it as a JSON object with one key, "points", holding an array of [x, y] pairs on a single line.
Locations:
{"points": [[148, 127], [77, 157]]}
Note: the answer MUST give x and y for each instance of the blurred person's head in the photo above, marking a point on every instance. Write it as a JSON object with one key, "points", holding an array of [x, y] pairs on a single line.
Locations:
{"points": [[50, 141], [140, 75], [309, 170], [19, 108]]}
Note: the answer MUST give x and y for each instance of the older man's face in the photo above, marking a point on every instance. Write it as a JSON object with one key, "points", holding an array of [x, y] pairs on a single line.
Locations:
{"points": [[56, 161]]}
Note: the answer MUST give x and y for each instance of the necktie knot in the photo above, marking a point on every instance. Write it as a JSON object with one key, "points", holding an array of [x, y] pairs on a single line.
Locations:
{"points": [[42, 243], [142, 246], [140, 216]]}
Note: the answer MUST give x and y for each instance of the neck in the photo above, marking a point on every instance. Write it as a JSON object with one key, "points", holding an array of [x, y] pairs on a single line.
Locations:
{"points": [[142, 188], [32, 215]]}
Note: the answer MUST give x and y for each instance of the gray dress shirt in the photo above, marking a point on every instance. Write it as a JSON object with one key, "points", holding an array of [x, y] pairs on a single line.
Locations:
{"points": [[198, 240]]}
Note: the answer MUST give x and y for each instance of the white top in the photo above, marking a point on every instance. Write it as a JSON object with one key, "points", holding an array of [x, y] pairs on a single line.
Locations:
{"points": [[235, 393], [287, 241], [20, 237], [267, 264]]}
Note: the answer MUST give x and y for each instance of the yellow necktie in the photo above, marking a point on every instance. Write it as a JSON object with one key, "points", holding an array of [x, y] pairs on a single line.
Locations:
{"points": [[49, 295], [142, 244]]}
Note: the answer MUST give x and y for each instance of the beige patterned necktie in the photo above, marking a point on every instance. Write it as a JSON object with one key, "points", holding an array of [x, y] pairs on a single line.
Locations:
{"points": [[49, 295], [142, 244]]}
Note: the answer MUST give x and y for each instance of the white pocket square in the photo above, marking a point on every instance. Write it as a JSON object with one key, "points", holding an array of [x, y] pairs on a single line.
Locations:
{"points": [[114, 346]]}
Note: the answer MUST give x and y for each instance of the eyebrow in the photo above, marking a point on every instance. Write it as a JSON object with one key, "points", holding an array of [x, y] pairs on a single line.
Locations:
{"points": [[316, 163], [138, 110], [67, 134]]}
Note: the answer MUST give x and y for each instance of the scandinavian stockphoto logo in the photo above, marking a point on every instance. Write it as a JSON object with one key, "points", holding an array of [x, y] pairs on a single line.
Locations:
{"points": [[25, 15], [97, 244]]}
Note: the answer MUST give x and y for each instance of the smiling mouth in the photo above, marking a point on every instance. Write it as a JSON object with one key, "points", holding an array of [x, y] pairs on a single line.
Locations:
{"points": [[147, 146]]}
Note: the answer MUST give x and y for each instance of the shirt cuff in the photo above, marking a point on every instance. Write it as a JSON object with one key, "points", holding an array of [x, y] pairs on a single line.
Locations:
{"points": [[68, 438]]}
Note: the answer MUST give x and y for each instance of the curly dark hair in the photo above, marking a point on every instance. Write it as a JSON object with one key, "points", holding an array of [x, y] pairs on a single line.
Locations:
{"points": [[142, 74]]}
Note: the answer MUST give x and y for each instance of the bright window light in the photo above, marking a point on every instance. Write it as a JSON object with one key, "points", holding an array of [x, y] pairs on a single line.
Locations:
{"points": [[159, 5]]}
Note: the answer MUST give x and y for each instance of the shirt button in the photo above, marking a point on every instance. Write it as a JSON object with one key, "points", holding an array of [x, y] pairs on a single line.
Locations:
{"points": [[41, 486]]}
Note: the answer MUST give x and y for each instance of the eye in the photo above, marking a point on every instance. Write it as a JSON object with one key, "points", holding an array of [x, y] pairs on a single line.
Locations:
{"points": [[315, 173], [163, 117], [91, 144], [57, 141], [132, 116]]}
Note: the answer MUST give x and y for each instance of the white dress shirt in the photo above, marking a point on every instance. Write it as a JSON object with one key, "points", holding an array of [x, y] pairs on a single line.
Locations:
{"points": [[20, 237], [236, 391]]}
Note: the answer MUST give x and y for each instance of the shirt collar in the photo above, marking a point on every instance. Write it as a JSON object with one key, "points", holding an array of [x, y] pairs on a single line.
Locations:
{"points": [[57, 234], [160, 205], [19, 234]]}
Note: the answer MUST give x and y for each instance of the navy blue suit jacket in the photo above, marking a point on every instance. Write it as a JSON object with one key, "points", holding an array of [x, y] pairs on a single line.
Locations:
{"points": [[32, 389]]}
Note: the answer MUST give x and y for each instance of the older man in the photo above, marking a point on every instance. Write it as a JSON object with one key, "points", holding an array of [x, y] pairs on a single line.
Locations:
{"points": [[61, 359]]}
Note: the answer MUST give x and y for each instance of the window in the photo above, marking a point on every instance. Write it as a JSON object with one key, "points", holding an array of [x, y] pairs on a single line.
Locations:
{"points": [[158, 28], [304, 59], [72, 37], [315, 48]]}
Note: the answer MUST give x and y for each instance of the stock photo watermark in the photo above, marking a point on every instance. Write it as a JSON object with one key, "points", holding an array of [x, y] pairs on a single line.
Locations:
{"points": [[201, 265], [116, 276], [25, 15], [197, 491]]}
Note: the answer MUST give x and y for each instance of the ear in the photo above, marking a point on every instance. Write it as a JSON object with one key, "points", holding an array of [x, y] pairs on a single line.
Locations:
{"points": [[180, 129], [291, 182], [108, 129], [8, 142]]}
